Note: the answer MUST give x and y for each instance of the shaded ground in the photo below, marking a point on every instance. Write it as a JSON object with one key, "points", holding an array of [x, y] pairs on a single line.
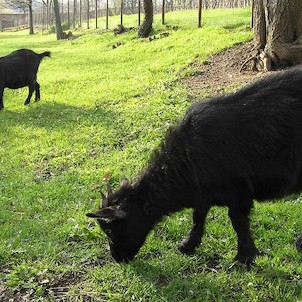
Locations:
{"points": [[221, 73]]}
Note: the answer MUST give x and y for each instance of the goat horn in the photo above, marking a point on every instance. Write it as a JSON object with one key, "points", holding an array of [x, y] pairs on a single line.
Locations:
{"points": [[109, 189], [104, 200]]}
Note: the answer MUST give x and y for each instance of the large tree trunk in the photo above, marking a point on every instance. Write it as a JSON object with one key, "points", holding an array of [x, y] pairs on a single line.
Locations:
{"points": [[146, 27], [59, 30], [277, 33]]}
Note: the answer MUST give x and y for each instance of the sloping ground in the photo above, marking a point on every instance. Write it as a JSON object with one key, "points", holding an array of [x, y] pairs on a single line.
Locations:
{"points": [[221, 73]]}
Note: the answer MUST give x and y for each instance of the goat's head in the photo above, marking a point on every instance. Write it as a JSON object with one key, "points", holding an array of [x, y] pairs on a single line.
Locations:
{"points": [[120, 217]]}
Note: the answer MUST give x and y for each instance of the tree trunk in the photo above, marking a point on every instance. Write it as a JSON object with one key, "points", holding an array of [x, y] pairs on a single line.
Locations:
{"points": [[139, 12], [146, 28], [122, 11], [88, 14], [31, 22], [199, 12], [277, 33], [59, 30], [68, 14], [96, 13], [80, 14], [74, 14], [107, 14]]}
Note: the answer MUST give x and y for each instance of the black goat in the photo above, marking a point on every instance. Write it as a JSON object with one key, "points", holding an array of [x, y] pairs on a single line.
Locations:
{"points": [[19, 69], [225, 152]]}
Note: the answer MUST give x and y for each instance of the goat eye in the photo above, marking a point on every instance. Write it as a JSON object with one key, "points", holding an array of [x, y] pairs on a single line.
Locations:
{"points": [[108, 231]]}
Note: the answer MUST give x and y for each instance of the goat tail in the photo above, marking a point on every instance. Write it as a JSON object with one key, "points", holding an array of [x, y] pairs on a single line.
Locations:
{"points": [[44, 54]]}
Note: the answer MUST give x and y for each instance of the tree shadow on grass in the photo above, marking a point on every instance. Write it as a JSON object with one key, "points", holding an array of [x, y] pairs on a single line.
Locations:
{"points": [[234, 26], [203, 283], [183, 285], [58, 116]]}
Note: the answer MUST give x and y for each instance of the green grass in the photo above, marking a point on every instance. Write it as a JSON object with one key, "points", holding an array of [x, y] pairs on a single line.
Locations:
{"points": [[105, 109]]}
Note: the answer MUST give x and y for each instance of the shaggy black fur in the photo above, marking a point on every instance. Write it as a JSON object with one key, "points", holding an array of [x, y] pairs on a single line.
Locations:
{"points": [[227, 151], [19, 69]]}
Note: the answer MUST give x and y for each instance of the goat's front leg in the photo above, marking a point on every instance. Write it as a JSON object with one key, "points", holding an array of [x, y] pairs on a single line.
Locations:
{"points": [[1, 97], [31, 89], [193, 239], [247, 250]]}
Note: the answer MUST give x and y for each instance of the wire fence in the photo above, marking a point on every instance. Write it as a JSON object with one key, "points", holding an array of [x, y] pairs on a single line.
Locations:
{"points": [[79, 13]]}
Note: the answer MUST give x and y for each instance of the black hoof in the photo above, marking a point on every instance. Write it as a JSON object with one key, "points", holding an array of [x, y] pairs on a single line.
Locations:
{"points": [[247, 258], [187, 248]]}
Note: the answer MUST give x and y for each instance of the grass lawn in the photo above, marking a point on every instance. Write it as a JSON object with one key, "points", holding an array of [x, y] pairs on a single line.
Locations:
{"points": [[104, 109]]}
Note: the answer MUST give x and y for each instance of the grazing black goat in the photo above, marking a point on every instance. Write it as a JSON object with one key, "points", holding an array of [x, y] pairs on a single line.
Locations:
{"points": [[19, 69], [227, 151]]}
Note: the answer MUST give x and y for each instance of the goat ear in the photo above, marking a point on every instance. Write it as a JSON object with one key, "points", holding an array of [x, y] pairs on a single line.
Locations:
{"points": [[108, 215], [125, 182]]}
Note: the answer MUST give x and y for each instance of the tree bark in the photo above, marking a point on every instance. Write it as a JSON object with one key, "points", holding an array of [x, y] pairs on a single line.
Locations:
{"points": [[59, 30], [146, 28], [163, 12], [277, 33], [199, 13], [31, 22], [88, 14], [74, 14]]}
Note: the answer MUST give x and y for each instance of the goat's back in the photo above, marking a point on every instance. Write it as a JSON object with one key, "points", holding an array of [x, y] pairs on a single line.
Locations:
{"points": [[19, 68], [250, 140], [22, 60]]}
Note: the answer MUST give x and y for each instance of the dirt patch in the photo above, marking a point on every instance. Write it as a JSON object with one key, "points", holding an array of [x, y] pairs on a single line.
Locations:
{"points": [[213, 264], [5, 294], [56, 289], [162, 281], [220, 74]]}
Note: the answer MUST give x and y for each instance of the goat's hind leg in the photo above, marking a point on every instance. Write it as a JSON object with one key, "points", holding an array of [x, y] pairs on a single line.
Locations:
{"points": [[193, 239], [247, 250], [31, 89], [37, 89]]}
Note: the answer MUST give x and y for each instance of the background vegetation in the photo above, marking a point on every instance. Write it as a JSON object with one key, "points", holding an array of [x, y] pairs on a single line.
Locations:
{"points": [[106, 103]]}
